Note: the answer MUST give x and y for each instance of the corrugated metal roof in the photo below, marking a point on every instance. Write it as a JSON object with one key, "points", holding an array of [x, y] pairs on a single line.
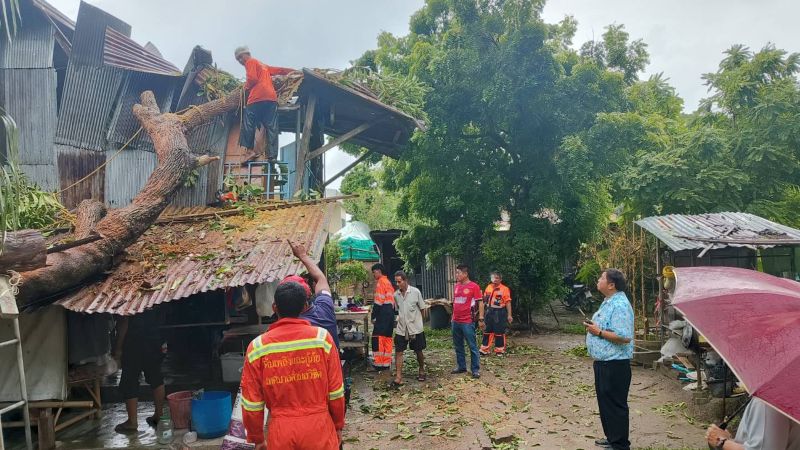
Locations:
{"points": [[173, 261], [88, 43], [29, 95], [121, 51], [87, 104], [734, 229], [58, 17]]}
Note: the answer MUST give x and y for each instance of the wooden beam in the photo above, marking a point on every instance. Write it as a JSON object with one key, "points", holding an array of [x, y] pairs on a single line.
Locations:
{"points": [[350, 166], [340, 140], [302, 150]]}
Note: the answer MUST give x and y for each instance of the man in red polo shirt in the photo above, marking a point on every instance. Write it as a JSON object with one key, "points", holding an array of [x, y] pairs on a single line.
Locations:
{"points": [[466, 295], [262, 102]]}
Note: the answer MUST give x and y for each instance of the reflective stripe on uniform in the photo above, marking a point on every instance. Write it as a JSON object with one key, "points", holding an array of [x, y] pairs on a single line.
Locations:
{"points": [[251, 406], [338, 393], [319, 341]]}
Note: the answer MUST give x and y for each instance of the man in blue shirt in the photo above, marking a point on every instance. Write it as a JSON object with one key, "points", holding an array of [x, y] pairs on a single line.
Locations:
{"points": [[609, 339], [320, 311]]}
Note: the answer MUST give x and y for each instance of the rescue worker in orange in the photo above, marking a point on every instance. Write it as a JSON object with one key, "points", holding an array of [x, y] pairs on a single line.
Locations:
{"points": [[294, 371], [262, 102], [383, 314], [495, 315]]}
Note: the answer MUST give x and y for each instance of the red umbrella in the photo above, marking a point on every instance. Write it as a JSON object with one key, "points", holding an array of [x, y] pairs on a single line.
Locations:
{"points": [[753, 321]]}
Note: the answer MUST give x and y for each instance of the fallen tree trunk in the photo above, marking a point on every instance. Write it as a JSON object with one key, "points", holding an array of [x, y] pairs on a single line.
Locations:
{"points": [[23, 250], [121, 227]]}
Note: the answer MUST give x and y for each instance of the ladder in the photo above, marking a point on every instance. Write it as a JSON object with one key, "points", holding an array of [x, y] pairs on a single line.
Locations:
{"points": [[8, 311]]}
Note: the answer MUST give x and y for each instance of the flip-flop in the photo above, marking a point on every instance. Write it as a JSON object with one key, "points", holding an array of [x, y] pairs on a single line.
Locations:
{"points": [[396, 385], [122, 429], [421, 377], [152, 421]]}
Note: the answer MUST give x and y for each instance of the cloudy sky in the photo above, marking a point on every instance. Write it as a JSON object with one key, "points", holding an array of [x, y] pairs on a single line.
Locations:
{"points": [[686, 38]]}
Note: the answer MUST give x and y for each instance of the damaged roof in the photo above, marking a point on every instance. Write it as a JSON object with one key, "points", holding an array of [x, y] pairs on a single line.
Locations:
{"points": [[718, 230], [121, 51], [180, 257]]}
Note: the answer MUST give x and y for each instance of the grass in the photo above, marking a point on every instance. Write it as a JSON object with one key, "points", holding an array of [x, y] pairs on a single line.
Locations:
{"points": [[574, 328]]}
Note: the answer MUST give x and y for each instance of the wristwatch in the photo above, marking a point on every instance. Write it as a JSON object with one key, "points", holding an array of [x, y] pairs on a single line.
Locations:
{"points": [[600, 334], [721, 444]]}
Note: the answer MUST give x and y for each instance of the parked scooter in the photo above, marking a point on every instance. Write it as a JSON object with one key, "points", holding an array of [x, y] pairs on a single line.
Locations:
{"points": [[579, 296]]}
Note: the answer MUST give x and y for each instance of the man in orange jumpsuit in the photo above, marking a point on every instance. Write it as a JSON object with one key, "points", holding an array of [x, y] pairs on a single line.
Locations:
{"points": [[383, 313], [262, 102], [294, 371], [497, 309]]}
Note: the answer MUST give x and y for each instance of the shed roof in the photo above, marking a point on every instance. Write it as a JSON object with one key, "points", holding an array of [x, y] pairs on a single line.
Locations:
{"points": [[177, 258], [718, 230], [121, 51]]}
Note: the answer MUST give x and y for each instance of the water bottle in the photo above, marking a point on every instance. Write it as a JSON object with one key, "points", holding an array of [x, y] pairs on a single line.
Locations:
{"points": [[164, 428]]}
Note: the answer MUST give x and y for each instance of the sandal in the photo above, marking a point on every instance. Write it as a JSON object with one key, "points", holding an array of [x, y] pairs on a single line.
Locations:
{"points": [[396, 385], [152, 421], [122, 429], [421, 377]]}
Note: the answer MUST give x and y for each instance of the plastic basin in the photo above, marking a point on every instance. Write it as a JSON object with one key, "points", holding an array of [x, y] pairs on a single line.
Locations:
{"points": [[211, 414]]}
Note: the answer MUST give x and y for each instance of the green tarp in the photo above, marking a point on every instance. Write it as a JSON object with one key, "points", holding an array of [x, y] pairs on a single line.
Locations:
{"points": [[356, 244]]}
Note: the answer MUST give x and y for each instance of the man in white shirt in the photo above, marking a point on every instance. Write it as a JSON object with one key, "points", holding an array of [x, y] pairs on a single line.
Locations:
{"points": [[409, 331]]}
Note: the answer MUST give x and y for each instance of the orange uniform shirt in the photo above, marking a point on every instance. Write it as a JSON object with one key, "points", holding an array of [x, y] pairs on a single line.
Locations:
{"points": [[294, 371], [497, 296], [259, 81]]}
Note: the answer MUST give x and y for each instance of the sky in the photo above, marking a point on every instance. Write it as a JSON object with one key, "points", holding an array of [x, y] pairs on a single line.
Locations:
{"points": [[685, 38]]}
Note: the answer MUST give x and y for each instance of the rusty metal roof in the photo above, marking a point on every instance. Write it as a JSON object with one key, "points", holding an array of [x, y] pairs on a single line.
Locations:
{"points": [[121, 51], [718, 230], [175, 260]]}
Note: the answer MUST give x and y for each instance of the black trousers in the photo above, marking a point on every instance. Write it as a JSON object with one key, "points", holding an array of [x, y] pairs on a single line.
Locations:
{"points": [[260, 114], [612, 380]]}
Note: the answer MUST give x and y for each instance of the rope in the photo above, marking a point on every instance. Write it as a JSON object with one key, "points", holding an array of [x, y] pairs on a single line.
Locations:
{"points": [[92, 173], [15, 279]]}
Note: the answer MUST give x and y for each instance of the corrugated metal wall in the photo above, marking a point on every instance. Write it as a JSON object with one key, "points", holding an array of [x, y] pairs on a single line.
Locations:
{"points": [[438, 279], [74, 164], [29, 95], [126, 174], [87, 105], [32, 46], [124, 124], [43, 175]]}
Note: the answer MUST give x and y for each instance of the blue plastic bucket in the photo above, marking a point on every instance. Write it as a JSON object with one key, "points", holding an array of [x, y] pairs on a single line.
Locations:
{"points": [[212, 414]]}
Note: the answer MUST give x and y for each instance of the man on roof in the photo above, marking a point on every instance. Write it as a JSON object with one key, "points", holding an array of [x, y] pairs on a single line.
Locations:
{"points": [[262, 101]]}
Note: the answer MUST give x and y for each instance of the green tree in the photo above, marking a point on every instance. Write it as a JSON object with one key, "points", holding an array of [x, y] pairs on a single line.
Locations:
{"points": [[509, 107]]}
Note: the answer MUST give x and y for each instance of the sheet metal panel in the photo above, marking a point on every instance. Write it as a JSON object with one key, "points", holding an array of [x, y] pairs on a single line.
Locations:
{"points": [[90, 31], [121, 51], [43, 175], [126, 175], [743, 226], [29, 95], [124, 124], [87, 104], [32, 46], [205, 259], [73, 165]]}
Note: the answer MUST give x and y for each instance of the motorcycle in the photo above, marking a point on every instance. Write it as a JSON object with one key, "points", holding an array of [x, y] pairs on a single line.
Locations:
{"points": [[579, 296]]}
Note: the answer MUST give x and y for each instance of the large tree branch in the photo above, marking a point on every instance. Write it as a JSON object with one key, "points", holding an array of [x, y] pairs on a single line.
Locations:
{"points": [[121, 227]]}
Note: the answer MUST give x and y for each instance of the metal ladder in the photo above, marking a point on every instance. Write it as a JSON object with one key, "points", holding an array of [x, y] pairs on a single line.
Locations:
{"points": [[17, 341]]}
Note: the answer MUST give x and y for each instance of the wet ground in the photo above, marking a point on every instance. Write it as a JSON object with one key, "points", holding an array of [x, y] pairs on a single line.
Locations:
{"points": [[540, 395]]}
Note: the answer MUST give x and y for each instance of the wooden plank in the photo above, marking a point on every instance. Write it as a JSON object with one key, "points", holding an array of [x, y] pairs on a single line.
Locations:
{"points": [[340, 140], [47, 430], [305, 139], [346, 169]]}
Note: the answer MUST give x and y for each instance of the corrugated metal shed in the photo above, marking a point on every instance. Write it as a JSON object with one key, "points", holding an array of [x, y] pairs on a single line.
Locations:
{"points": [[718, 230], [87, 104], [29, 96], [32, 46], [174, 261], [126, 175], [122, 51]]}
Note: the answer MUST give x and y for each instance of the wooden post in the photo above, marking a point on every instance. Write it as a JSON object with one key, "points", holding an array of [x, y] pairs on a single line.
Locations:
{"points": [[305, 139], [46, 429]]}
